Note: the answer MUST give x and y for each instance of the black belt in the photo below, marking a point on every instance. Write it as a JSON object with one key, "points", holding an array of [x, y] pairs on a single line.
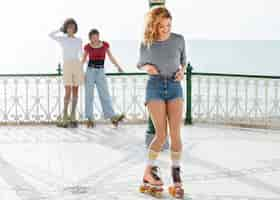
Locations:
{"points": [[96, 63], [162, 77], [166, 77]]}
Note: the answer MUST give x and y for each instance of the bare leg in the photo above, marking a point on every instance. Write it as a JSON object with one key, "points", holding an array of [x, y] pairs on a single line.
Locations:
{"points": [[75, 90], [174, 113], [157, 110], [66, 100]]}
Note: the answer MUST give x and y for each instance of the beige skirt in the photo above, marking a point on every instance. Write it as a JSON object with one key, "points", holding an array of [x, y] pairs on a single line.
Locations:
{"points": [[73, 74]]}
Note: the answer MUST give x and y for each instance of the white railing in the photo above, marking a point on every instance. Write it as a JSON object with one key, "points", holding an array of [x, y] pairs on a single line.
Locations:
{"points": [[243, 100], [40, 98], [238, 100]]}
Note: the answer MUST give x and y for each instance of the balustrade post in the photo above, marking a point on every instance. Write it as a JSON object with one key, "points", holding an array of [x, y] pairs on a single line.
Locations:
{"points": [[59, 70], [188, 117]]}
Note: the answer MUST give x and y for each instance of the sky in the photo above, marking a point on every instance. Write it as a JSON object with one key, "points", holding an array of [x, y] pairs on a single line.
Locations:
{"points": [[25, 24]]}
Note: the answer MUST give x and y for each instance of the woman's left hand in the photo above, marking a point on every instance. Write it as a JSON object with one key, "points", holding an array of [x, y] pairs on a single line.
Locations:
{"points": [[180, 74]]}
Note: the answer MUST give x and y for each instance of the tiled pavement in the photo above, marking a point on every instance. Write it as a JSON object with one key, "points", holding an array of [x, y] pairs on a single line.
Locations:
{"points": [[219, 163]]}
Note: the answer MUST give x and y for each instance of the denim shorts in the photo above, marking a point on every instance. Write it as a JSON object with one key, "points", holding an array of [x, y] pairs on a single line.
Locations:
{"points": [[163, 89]]}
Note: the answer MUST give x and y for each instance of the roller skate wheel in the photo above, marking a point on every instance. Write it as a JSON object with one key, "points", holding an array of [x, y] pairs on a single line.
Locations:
{"points": [[171, 191], [62, 125], [74, 125], [90, 124], [176, 192], [157, 194], [143, 189]]}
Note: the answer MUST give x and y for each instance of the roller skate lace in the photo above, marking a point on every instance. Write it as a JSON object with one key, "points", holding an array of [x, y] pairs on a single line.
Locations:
{"points": [[155, 172], [176, 175]]}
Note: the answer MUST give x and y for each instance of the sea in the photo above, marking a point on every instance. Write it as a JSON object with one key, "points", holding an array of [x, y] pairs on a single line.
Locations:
{"points": [[260, 57]]}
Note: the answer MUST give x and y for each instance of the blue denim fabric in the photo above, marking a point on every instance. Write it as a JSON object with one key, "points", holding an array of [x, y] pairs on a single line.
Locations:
{"points": [[163, 89], [96, 77]]}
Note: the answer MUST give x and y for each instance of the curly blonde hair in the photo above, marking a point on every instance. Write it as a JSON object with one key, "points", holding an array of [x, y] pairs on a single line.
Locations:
{"points": [[153, 18]]}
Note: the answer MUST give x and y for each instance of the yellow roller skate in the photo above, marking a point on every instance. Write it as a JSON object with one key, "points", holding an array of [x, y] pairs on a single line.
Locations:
{"points": [[176, 190], [90, 123], [151, 189], [117, 119], [63, 122]]}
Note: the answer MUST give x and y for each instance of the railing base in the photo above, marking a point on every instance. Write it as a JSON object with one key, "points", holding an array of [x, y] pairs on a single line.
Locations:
{"points": [[188, 121]]}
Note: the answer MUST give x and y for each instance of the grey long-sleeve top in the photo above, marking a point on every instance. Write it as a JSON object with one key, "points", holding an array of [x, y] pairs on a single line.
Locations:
{"points": [[166, 55]]}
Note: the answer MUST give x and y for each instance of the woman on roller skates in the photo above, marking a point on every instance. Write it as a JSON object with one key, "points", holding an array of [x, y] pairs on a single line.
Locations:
{"points": [[96, 51], [162, 55], [73, 74]]}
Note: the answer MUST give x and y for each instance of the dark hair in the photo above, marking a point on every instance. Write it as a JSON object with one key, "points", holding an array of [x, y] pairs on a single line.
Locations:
{"points": [[93, 32], [67, 22]]}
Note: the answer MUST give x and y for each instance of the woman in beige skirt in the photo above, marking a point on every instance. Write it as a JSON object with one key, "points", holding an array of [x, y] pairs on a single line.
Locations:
{"points": [[73, 75]]}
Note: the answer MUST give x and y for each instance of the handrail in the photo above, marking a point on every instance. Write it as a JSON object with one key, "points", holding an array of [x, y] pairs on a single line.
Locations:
{"points": [[50, 75], [143, 74], [235, 75], [28, 75]]}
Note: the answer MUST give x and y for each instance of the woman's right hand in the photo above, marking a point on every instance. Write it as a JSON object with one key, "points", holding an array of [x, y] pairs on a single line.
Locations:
{"points": [[151, 69]]}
